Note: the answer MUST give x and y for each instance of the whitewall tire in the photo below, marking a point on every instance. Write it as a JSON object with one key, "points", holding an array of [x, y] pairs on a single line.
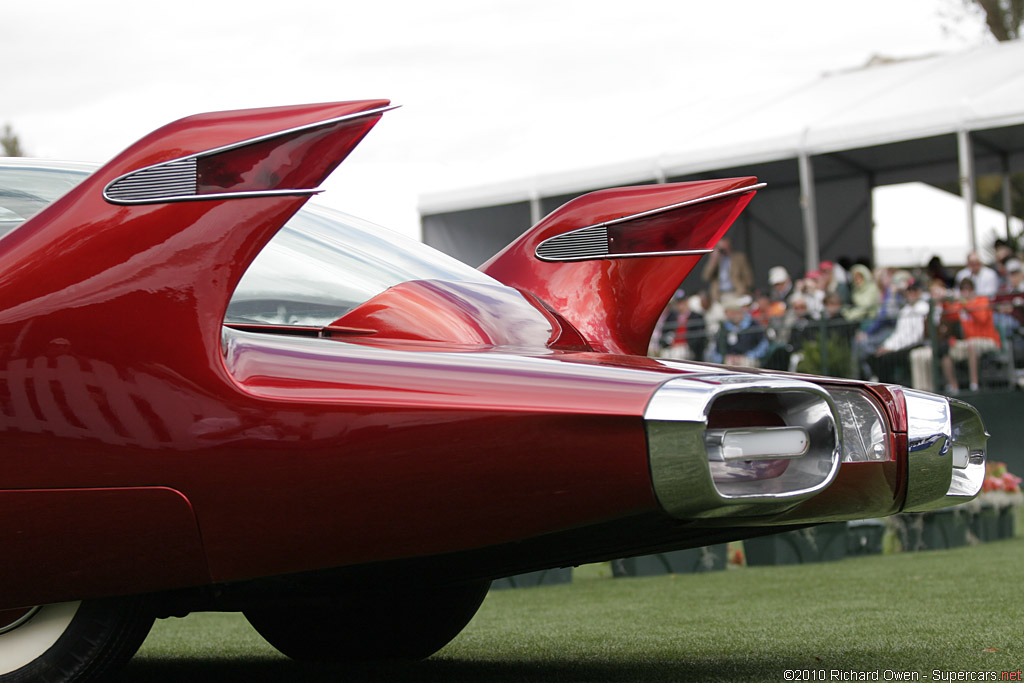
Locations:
{"points": [[71, 641]]}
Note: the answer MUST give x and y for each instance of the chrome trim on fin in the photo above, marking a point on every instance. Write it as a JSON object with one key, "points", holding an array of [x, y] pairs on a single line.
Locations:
{"points": [[591, 242], [176, 180]]}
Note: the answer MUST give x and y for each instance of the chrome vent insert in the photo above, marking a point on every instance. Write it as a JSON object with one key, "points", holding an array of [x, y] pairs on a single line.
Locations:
{"points": [[165, 181], [178, 180], [587, 243]]}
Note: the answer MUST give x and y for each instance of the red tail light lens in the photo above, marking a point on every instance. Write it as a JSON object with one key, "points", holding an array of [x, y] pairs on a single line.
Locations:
{"points": [[281, 162]]}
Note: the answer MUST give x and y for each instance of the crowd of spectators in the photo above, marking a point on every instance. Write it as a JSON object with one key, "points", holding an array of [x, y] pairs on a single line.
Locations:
{"points": [[846, 319]]}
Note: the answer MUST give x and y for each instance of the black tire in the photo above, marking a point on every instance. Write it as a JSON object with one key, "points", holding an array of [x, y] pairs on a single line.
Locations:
{"points": [[72, 641], [374, 625]]}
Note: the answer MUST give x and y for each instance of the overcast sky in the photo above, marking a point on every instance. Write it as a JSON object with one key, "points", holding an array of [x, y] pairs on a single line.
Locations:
{"points": [[489, 90]]}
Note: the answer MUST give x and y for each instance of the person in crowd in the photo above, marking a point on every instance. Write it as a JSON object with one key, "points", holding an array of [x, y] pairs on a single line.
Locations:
{"points": [[812, 287], [978, 334], [1009, 309], [833, 307], [935, 270], [728, 273], [836, 279], [771, 315], [865, 297], [985, 280], [684, 335], [946, 326], [801, 323], [799, 326], [740, 341], [781, 283], [873, 332], [892, 357], [1002, 252], [1014, 278]]}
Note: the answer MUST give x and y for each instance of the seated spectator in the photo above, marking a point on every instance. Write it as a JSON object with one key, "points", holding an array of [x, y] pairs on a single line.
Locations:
{"points": [[835, 279], [1009, 309], [985, 280], [978, 334], [740, 341], [824, 346], [683, 336], [893, 355], [812, 287], [1002, 252], [937, 271], [876, 330], [833, 307], [865, 296], [799, 325], [781, 283], [1014, 279]]}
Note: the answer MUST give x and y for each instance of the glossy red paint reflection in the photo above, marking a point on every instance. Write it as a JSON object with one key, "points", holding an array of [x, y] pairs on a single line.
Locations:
{"points": [[146, 447], [297, 160], [453, 312], [615, 303]]}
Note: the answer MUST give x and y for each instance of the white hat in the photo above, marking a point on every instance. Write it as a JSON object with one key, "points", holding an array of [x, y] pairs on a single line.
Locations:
{"points": [[777, 275]]}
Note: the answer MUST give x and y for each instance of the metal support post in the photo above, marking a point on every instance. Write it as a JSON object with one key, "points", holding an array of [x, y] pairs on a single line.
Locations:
{"points": [[966, 158], [808, 205]]}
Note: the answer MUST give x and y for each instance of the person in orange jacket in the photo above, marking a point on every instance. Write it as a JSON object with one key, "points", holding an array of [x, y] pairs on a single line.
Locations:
{"points": [[979, 334]]}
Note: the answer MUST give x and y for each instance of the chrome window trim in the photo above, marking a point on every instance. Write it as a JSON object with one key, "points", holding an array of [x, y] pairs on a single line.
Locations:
{"points": [[158, 199]]}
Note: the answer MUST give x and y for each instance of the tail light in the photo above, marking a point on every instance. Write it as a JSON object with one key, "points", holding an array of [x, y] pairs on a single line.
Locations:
{"points": [[866, 438], [740, 444]]}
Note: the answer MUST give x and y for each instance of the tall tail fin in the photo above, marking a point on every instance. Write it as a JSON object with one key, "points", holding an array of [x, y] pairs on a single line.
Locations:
{"points": [[138, 262], [610, 260]]}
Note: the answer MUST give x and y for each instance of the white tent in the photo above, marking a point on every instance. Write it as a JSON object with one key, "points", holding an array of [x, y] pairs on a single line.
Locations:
{"points": [[821, 148]]}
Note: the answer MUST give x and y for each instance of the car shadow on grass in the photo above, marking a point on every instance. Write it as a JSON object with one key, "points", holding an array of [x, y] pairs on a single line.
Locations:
{"points": [[203, 670]]}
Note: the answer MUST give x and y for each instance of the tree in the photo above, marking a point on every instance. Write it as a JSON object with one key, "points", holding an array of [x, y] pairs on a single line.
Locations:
{"points": [[10, 143], [1002, 18]]}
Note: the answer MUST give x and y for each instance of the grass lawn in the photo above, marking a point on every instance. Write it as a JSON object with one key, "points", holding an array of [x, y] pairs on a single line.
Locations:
{"points": [[950, 610]]}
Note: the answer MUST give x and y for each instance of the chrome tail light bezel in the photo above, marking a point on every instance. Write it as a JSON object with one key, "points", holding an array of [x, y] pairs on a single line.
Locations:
{"points": [[691, 481]]}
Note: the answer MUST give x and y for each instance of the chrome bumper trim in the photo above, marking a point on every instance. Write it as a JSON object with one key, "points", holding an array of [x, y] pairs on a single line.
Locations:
{"points": [[946, 441], [689, 485]]}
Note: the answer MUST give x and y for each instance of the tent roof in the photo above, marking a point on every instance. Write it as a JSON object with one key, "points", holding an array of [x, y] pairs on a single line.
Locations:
{"points": [[856, 114]]}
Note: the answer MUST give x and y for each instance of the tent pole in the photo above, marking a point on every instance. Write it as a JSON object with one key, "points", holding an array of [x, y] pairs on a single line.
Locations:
{"points": [[1007, 199], [534, 208], [966, 158], [808, 205]]}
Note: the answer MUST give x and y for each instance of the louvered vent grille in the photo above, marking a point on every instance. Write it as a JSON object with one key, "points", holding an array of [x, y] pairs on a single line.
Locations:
{"points": [[580, 244], [174, 179]]}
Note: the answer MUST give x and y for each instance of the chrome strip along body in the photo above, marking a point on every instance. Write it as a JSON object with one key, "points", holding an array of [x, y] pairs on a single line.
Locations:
{"points": [[946, 442], [689, 482]]}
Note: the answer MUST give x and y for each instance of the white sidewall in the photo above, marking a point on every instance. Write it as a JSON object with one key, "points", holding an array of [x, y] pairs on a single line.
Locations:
{"points": [[32, 639]]}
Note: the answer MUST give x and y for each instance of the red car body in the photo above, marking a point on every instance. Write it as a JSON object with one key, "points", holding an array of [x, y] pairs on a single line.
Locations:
{"points": [[455, 431]]}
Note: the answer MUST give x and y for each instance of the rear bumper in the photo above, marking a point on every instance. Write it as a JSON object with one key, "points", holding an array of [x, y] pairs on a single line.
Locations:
{"points": [[946, 442], [702, 471]]}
